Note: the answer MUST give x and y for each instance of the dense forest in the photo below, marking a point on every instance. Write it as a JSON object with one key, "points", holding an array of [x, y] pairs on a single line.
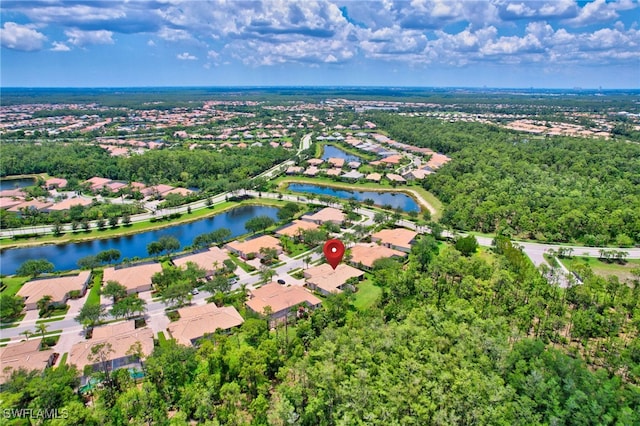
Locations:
{"points": [[557, 189], [453, 339], [201, 168]]}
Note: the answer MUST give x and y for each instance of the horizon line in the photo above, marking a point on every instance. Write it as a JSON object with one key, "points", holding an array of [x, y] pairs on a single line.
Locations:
{"points": [[479, 88]]}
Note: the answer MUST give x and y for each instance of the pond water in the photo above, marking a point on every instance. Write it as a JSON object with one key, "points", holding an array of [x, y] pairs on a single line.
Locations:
{"points": [[331, 151], [393, 199], [65, 256], [15, 183]]}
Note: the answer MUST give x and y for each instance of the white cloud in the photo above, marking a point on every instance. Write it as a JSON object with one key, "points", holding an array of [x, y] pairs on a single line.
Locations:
{"points": [[186, 56], [60, 47], [172, 34], [81, 38], [311, 32], [600, 11], [21, 37]]}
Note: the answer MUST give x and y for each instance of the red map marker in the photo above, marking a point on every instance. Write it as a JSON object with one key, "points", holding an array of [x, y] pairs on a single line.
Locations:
{"points": [[333, 252]]}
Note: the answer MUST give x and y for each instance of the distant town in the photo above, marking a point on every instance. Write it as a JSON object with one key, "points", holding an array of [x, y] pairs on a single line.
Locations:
{"points": [[103, 269]]}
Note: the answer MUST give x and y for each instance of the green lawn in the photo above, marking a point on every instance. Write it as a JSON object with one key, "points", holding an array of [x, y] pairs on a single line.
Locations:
{"points": [[241, 264], [63, 360], [604, 269], [14, 323], [367, 295], [13, 284], [162, 340], [94, 292]]}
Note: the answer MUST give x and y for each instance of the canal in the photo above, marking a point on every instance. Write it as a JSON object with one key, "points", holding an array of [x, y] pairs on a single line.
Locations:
{"points": [[65, 256]]}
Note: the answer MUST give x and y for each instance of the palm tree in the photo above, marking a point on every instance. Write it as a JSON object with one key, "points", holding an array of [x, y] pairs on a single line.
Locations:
{"points": [[26, 334], [42, 329]]}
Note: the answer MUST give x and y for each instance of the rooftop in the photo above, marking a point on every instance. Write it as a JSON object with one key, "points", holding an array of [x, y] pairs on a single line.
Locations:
{"points": [[327, 214], [56, 287], [295, 227], [329, 279], [279, 298], [205, 259], [132, 277], [26, 355], [196, 321], [399, 237], [366, 254], [121, 337]]}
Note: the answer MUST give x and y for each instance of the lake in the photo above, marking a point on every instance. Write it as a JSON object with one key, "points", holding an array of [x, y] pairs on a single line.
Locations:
{"points": [[65, 256], [394, 199], [331, 151], [15, 183]]}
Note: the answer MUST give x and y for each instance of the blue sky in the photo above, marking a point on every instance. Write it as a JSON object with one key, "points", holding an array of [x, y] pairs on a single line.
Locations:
{"points": [[493, 43]]}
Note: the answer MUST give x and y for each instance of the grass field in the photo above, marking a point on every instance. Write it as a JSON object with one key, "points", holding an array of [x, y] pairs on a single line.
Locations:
{"points": [[94, 293], [604, 269], [367, 295], [13, 284]]}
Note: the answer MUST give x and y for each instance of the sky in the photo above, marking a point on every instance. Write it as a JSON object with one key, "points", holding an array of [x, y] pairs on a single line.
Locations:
{"points": [[425, 43]]}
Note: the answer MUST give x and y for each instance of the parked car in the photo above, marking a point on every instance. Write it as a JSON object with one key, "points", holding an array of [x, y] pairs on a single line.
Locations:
{"points": [[281, 281]]}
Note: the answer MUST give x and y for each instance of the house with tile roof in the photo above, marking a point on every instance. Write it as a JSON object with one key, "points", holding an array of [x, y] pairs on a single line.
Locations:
{"points": [[280, 300], [327, 214], [326, 280], [364, 255], [24, 356], [398, 239], [197, 321], [121, 337], [251, 248], [210, 260], [135, 278], [59, 288]]}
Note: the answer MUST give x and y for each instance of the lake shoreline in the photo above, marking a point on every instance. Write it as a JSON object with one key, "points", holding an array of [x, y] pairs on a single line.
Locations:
{"points": [[123, 232], [283, 184]]}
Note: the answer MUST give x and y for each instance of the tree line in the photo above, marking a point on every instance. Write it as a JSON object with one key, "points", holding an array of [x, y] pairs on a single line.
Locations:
{"points": [[558, 189], [454, 338]]}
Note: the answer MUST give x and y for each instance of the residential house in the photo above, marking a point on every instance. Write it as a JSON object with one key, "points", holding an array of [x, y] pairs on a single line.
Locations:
{"points": [[336, 162], [97, 183], [312, 171], [197, 321], [59, 288], [295, 228], [121, 338], [210, 260], [135, 278], [280, 300], [30, 205], [66, 204], [24, 355], [417, 174], [397, 239], [353, 175], [294, 170], [327, 280], [55, 183], [251, 248], [396, 178], [374, 177], [327, 214], [363, 255]]}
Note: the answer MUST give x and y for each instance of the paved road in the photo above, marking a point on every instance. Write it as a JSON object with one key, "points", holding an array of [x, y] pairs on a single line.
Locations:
{"points": [[305, 143]]}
